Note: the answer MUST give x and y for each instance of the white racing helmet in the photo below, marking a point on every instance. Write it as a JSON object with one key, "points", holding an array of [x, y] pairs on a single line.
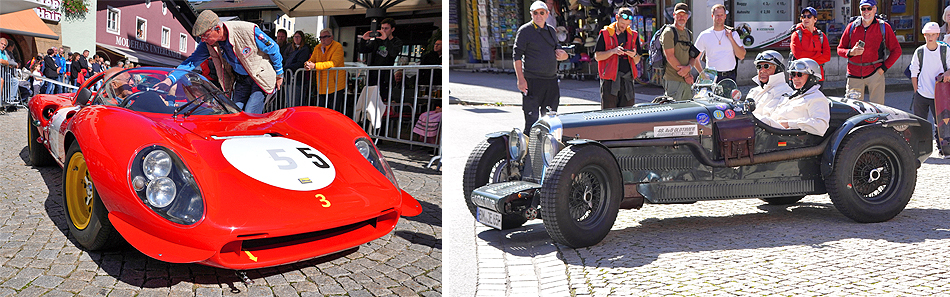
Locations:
{"points": [[806, 65], [771, 57]]}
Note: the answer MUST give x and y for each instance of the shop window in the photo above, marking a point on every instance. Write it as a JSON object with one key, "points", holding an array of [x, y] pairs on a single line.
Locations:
{"points": [[112, 20], [182, 42], [166, 37], [141, 28]]}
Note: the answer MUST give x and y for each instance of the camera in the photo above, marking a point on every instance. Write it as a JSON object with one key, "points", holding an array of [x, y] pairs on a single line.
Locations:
{"points": [[373, 30]]}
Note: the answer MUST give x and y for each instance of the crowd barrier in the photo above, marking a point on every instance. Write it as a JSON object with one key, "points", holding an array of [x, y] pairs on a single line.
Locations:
{"points": [[405, 109]]}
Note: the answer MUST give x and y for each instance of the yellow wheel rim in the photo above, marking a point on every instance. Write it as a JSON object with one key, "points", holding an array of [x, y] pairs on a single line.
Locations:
{"points": [[79, 191]]}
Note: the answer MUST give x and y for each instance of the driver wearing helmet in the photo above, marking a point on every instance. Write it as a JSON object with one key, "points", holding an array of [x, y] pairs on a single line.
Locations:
{"points": [[770, 82], [805, 109]]}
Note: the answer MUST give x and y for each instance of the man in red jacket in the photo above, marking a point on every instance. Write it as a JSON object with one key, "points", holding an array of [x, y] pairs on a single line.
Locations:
{"points": [[809, 42], [617, 55], [864, 45]]}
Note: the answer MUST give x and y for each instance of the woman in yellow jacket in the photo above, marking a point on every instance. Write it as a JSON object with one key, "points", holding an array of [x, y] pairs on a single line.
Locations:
{"points": [[331, 85]]}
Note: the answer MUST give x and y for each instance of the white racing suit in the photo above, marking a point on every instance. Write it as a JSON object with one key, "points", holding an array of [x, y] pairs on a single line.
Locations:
{"points": [[808, 112], [768, 96]]}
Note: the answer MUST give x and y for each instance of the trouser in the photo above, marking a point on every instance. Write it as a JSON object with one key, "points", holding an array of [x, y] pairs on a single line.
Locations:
{"points": [[921, 105], [336, 101], [720, 76], [874, 83], [608, 100], [248, 95], [542, 94], [678, 90]]}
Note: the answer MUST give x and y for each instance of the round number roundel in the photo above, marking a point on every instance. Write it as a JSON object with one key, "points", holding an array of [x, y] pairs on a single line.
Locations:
{"points": [[280, 162]]}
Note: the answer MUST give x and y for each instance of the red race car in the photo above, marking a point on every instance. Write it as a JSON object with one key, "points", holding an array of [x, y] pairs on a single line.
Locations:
{"points": [[163, 159]]}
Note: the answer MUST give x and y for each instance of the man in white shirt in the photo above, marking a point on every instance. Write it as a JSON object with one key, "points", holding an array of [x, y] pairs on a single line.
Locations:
{"points": [[807, 108], [923, 76], [720, 46]]}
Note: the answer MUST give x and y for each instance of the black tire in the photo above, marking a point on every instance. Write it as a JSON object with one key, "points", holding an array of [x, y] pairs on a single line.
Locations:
{"points": [[87, 217], [39, 155], [580, 195], [782, 200], [486, 165], [874, 175]]}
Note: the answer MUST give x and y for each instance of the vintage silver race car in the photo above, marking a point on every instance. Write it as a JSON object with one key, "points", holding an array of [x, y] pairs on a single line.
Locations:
{"points": [[575, 171]]}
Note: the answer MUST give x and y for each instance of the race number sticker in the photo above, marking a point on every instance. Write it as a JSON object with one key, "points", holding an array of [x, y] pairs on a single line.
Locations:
{"points": [[280, 162], [675, 131]]}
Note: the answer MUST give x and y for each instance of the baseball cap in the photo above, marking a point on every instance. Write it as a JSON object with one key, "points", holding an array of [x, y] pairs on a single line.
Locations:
{"points": [[538, 5], [868, 2], [810, 10], [930, 27], [206, 20], [681, 7]]}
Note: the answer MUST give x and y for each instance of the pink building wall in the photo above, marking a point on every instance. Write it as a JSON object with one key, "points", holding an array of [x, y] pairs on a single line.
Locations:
{"points": [[129, 12]]}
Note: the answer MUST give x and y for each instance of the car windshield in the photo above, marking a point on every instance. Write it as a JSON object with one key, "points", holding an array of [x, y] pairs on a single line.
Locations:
{"points": [[165, 90]]}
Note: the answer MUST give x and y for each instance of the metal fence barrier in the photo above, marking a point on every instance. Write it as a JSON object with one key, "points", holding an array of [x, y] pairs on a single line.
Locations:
{"points": [[16, 87], [393, 103]]}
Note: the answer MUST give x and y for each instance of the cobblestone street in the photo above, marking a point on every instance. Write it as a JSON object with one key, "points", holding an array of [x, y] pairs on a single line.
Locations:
{"points": [[37, 257]]}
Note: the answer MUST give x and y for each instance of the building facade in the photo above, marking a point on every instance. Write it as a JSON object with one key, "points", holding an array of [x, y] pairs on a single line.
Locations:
{"points": [[146, 33]]}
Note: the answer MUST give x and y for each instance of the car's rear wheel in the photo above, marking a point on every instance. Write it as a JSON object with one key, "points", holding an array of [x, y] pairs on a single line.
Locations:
{"points": [[580, 195], [782, 200], [88, 217], [488, 164], [874, 175], [39, 155]]}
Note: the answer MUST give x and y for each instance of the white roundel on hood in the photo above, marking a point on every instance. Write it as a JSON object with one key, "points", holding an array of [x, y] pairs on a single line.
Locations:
{"points": [[280, 162]]}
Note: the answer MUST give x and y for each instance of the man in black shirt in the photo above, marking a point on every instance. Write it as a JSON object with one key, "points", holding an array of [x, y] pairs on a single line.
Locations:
{"points": [[616, 53], [536, 53], [383, 50]]}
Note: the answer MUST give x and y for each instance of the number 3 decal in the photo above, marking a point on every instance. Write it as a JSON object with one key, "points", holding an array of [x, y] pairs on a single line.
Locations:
{"points": [[326, 203]]}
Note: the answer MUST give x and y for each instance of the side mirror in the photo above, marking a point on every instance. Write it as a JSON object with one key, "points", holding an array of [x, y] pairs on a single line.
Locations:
{"points": [[83, 96]]}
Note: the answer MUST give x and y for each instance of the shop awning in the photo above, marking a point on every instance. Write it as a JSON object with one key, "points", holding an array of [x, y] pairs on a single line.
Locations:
{"points": [[19, 5], [27, 23], [304, 8], [140, 57]]}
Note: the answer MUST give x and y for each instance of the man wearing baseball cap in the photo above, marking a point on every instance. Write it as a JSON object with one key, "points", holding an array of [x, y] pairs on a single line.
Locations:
{"points": [[809, 42], [863, 43], [677, 40], [248, 62], [536, 53], [928, 62], [617, 54]]}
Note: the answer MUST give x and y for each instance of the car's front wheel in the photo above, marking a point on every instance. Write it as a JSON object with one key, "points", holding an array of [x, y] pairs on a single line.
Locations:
{"points": [[874, 175], [580, 195], [88, 217], [488, 164], [39, 156]]}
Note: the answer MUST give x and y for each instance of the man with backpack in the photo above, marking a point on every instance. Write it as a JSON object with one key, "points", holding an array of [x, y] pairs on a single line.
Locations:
{"points": [[929, 61], [617, 54], [809, 42], [871, 48], [677, 42]]}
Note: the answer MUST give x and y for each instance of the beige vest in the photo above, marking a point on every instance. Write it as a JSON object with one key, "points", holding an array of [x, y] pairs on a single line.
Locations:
{"points": [[255, 61]]}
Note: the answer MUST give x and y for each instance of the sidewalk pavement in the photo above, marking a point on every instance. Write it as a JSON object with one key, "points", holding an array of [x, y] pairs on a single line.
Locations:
{"points": [[573, 92]]}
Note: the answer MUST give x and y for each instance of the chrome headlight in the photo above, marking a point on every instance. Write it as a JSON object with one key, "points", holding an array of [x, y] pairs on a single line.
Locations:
{"points": [[549, 148], [166, 186], [369, 151], [517, 145]]}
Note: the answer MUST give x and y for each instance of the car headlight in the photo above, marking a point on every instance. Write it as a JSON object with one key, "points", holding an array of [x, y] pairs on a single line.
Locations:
{"points": [[517, 145], [369, 151], [165, 185], [549, 148]]}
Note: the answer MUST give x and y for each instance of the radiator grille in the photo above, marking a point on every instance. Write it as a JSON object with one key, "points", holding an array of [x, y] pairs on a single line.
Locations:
{"points": [[535, 147]]}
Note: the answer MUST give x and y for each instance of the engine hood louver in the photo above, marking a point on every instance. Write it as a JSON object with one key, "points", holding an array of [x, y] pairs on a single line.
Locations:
{"points": [[626, 112]]}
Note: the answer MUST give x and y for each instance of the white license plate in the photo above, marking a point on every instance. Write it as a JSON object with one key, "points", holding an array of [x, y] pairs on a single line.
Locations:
{"points": [[488, 217]]}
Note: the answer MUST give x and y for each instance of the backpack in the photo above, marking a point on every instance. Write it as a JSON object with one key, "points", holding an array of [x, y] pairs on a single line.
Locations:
{"points": [[882, 51], [920, 57], [821, 39], [657, 56]]}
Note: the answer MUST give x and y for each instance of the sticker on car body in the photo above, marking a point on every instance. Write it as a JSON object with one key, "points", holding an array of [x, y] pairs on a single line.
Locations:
{"points": [[280, 162], [702, 118], [674, 131]]}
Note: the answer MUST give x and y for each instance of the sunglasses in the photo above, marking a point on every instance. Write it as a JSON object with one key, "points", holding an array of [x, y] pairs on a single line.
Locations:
{"points": [[763, 66], [325, 36], [539, 12], [626, 16], [807, 16], [797, 74], [869, 8]]}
